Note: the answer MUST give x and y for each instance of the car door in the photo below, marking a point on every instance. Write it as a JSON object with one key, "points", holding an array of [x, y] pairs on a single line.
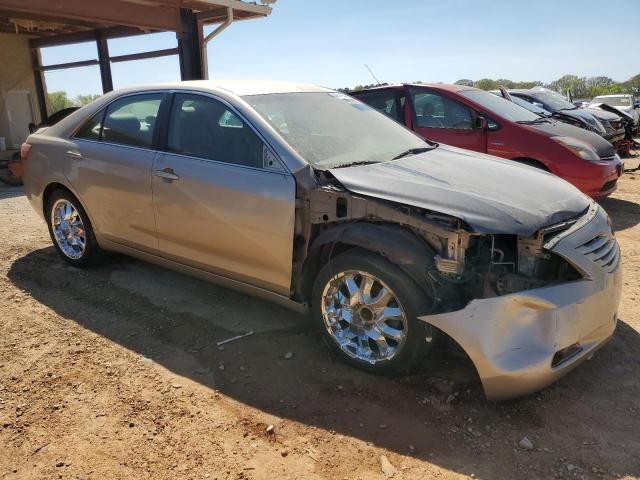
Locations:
{"points": [[441, 119], [110, 168], [223, 202]]}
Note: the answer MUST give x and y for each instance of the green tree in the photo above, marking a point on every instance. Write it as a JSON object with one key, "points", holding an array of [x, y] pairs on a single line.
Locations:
{"points": [[573, 84], [82, 100], [486, 84], [526, 85], [58, 101], [503, 82]]}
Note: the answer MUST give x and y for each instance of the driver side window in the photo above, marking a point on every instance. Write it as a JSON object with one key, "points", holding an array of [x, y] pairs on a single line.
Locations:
{"points": [[437, 111]]}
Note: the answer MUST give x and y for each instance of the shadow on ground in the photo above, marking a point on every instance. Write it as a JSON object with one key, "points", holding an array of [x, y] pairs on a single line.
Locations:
{"points": [[624, 214], [10, 192], [440, 411]]}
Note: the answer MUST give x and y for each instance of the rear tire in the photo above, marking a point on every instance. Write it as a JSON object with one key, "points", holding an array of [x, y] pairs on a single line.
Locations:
{"points": [[366, 308], [70, 230]]}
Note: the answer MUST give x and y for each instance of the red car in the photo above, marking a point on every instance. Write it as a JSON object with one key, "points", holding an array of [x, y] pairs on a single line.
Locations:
{"points": [[476, 120]]}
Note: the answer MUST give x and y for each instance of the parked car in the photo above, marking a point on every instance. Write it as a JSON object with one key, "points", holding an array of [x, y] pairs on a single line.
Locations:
{"points": [[624, 102], [588, 118], [536, 108], [477, 120], [312, 199]]}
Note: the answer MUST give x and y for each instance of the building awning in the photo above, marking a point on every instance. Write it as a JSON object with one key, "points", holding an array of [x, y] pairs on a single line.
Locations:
{"points": [[45, 18]]}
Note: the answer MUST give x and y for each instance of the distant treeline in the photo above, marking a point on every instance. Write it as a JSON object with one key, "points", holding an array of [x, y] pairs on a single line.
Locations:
{"points": [[579, 87]]}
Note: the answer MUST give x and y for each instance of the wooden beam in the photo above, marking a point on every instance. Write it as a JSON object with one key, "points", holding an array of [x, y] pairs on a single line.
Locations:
{"points": [[42, 17], [38, 78], [141, 56], [260, 10], [113, 12], [81, 37], [64, 66], [104, 62]]}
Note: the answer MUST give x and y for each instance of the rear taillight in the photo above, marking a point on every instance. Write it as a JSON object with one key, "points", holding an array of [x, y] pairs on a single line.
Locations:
{"points": [[25, 150]]}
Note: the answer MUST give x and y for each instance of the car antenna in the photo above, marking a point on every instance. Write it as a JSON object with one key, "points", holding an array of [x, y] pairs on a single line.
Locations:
{"points": [[372, 74]]}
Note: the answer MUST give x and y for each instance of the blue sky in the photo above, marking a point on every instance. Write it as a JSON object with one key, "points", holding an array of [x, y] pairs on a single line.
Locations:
{"points": [[328, 42]]}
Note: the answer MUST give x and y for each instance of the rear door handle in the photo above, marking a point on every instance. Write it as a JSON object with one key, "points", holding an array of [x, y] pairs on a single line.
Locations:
{"points": [[167, 173], [74, 154]]}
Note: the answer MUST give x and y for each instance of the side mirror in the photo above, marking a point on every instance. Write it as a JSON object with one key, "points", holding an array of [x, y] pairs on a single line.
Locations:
{"points": [[481, 123]]}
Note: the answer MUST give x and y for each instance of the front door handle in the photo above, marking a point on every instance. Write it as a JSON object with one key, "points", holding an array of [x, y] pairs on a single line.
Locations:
{"points": [[167, 173], [74, 154]]}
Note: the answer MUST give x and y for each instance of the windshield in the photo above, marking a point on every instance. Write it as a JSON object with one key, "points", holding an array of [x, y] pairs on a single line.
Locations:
{"points": [[529, 106], [332, 129], [500, 106], [621, 101], [553, 100]]}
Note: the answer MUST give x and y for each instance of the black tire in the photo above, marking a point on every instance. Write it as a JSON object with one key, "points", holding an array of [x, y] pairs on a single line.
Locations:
{"points": [[91, 252], [420, 337]]}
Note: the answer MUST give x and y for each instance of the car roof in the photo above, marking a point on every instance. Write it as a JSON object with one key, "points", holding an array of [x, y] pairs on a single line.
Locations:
{"points": [[442, 86], [235, 87]]}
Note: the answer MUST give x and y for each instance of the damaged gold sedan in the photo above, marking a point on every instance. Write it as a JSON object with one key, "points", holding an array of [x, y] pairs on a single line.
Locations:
{"points": [[310, 198]]}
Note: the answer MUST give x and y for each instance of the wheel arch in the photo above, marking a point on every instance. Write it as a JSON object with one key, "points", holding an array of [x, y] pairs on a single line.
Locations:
{"points": [[532, 162], [53, 187], [398, 244]]}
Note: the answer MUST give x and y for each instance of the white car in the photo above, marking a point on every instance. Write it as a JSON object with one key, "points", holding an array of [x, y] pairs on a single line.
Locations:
{"points": [[624, 102]]}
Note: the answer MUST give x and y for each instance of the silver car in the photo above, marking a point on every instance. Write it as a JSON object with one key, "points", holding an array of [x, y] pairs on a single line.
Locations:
{"points": [[310, 198]]}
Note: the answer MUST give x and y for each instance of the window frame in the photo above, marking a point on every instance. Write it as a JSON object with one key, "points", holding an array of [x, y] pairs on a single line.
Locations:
{"points": [[103, 111], [412, 90], [164, 121]]}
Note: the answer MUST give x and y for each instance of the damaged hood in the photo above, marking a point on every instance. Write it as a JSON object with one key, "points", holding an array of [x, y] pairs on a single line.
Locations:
{"points": [[490, 194]]}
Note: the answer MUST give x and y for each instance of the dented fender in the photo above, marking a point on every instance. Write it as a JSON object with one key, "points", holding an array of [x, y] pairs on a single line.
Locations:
{"points": [[513, 340]]}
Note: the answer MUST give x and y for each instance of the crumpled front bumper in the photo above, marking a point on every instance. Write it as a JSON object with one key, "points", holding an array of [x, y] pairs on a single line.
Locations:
{"points": [[514, 340]]}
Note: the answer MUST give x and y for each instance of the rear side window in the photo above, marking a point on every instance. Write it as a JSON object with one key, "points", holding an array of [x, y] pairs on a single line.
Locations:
{"points": [[127, 121], [438, 111], [92, 129], [385, 101], [131, 120], [203, 127]]}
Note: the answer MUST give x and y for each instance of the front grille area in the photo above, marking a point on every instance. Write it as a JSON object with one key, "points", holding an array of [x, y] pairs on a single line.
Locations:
{"points": [[603, 250]]}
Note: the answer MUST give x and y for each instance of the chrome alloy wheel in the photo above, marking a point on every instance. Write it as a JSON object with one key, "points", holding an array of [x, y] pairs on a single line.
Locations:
{"points": [[363, 316], [68, 229]]}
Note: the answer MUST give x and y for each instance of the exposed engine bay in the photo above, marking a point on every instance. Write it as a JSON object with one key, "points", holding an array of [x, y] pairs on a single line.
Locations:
{"points": [[458, 264]]}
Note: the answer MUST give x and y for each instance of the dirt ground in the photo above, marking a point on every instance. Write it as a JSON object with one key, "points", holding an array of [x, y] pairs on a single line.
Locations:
{"points": [[114, 373]]}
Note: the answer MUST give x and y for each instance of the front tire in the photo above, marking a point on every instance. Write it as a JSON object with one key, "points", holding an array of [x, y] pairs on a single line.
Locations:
{"points": [[366, 308], [70, 230]]}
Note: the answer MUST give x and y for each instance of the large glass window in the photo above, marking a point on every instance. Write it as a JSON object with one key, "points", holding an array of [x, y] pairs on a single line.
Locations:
{"points": [[332, 129], [203, 127], [553, 101], [434, 110], [131, 120], [385, 101], [500, 106]]}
